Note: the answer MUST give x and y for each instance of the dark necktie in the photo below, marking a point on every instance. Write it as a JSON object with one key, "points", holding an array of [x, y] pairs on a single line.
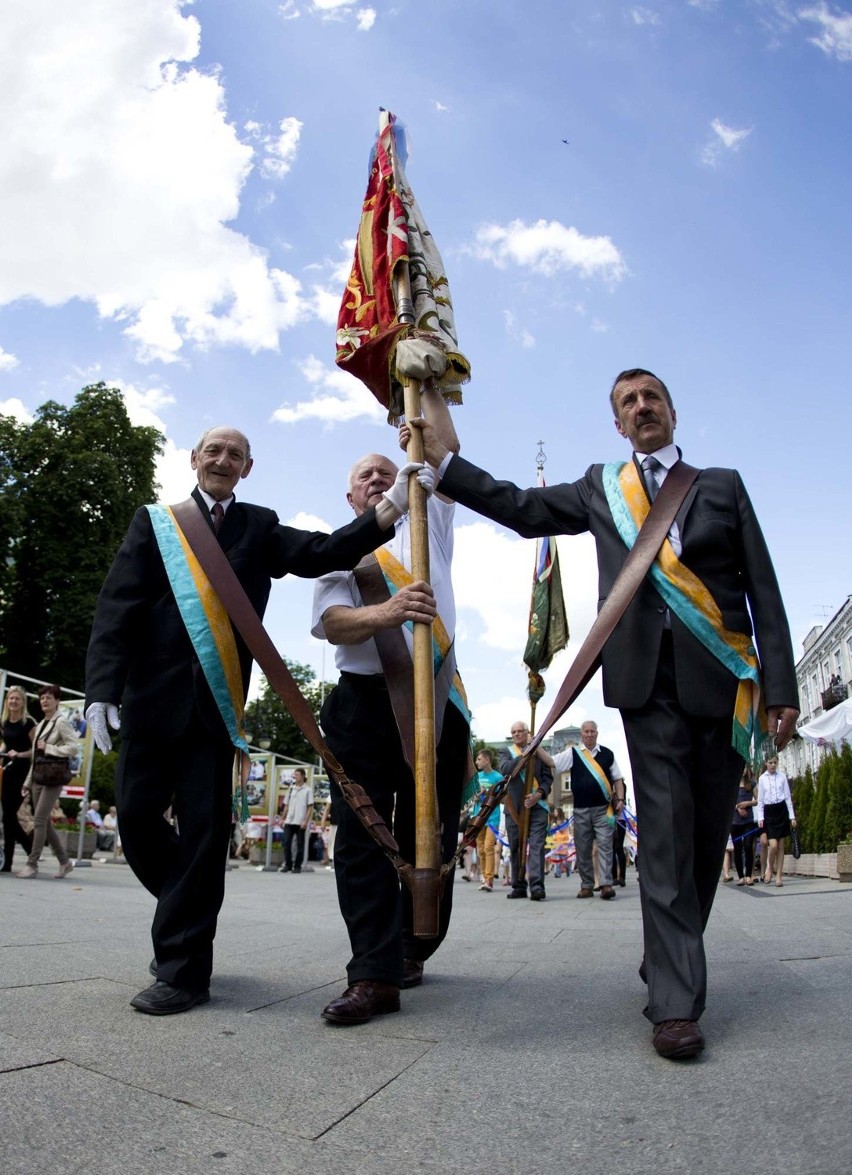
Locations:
{"points": [[218, 512], [649, 467]]}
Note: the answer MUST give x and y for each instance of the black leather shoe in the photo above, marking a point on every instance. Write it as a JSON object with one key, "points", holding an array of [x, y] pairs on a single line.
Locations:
{"points": [[412, 972], [361, 1001], [152, 968], [516, 893], [537, 895], [677, 1039], [161, 999]]}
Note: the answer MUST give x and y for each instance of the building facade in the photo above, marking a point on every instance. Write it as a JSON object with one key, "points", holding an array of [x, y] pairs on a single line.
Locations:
{"points": [[824, 676]]}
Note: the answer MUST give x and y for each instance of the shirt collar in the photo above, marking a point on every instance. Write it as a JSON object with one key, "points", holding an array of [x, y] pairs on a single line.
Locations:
{"points": [[211, 502], [668, 456]]}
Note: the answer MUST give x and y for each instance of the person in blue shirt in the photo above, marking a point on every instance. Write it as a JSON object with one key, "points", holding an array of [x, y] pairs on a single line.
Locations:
{"points": [[489, 838]]}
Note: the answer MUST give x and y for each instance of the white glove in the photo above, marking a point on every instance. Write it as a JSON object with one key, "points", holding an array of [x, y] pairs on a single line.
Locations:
{"points": [[419, 359], [97, 716], [397, 495]]}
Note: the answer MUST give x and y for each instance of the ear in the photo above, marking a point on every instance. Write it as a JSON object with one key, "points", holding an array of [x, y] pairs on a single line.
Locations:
{"points": [[247, 467], [350, 500], [618, 427], [674, 420], [193, 459]]}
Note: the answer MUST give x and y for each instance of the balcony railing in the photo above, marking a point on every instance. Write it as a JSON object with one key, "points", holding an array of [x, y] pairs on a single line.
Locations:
{"points": [[837, 692]]}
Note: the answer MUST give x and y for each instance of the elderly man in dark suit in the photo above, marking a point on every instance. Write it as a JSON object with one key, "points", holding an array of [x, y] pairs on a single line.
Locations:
{"points": [[676, 696], [175, 747]]}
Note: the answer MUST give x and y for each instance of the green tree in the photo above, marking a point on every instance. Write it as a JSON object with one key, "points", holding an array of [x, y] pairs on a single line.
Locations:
{"points": [[268, 718], [70, 482], [803, 802], [820, 806], [838, 816]]}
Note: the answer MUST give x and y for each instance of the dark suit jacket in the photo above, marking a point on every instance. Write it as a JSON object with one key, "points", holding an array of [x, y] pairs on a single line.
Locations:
{"points": [[140, 654], [722, 544]]}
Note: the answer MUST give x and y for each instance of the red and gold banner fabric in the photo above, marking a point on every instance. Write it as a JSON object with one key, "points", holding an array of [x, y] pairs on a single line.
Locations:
{"points": [[393, 234]]}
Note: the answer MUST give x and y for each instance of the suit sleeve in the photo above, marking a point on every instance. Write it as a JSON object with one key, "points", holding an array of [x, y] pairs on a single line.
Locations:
{"points": [[122, 603], [311, 553], [532, 513], [772, 631]]}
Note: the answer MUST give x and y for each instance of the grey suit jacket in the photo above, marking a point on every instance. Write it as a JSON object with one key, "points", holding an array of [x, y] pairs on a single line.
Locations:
{"points": [[722, 544]]}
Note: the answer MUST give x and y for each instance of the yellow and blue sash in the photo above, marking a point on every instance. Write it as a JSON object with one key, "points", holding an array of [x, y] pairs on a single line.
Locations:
{"points": [[691, 602], [600, 777], [397, 576], [206, 622]]}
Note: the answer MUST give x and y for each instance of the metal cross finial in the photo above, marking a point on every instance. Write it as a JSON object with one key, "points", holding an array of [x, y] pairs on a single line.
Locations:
{"points": [[540, 457]]}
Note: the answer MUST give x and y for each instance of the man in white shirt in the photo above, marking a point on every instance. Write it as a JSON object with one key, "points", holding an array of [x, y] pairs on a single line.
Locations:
{"points": [[296, 814], [363, 730], [597, 785]]}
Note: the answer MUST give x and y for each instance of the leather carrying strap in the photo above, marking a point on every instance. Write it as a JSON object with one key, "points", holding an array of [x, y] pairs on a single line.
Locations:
{"points": [[652, 534], [396, 662], [199, 534]]}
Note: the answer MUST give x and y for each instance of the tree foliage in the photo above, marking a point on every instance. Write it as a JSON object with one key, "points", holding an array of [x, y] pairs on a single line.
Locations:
{"points": [[268, 718], [70, 482]]}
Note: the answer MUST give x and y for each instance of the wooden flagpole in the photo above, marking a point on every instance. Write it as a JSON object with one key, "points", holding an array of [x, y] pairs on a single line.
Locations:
{"points": [[425, 879]]}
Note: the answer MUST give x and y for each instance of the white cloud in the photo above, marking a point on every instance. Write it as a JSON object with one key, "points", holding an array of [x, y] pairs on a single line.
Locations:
{"points": [[642, 16], [143, 406], [548, 247], [15, 408], [439, 106], [175, 475], [704, 5], [337, 10], [339, 397], [725, 138], [835, 38], [517, 333], [304, 521], [7, 360], [119, 176], [281, 150]]}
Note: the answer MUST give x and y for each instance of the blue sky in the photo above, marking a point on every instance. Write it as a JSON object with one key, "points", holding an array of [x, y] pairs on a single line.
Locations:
{"points": [[181, 184]]}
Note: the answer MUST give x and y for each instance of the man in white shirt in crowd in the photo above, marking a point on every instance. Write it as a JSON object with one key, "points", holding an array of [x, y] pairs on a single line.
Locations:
{"points": [[296, 815], [597, 785]]}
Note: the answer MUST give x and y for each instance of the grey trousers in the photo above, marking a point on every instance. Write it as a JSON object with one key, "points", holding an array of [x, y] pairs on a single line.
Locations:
{"points": [[590, 825]]}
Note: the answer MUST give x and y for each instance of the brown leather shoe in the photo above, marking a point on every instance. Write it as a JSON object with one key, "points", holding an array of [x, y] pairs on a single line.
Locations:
{"points": [[607, 893], [412, 972], [585, 892], [678, 1039], [361, 1001]]}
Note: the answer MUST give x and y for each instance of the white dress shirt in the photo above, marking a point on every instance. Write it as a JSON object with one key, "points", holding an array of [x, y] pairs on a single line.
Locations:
{"points": [[773, 789]]}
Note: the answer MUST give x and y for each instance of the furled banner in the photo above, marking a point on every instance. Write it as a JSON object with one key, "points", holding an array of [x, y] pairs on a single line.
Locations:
{"points": [[393, 234], [548, 623]]}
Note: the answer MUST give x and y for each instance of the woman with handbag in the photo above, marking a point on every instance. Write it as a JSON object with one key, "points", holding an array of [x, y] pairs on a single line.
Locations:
{"points": [[18, 728], [744, 828], [775, 813], [55, 743]]}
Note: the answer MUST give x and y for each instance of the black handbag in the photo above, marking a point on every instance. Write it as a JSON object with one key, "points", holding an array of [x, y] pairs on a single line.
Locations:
{"points": [[795, 843]]}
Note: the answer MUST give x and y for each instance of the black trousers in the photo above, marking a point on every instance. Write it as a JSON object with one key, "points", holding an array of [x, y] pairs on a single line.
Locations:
{"points": [[619, 856], [360, 729], [184, 869], [686, 775], [743, 836], [13, 783], [294, 832]]}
